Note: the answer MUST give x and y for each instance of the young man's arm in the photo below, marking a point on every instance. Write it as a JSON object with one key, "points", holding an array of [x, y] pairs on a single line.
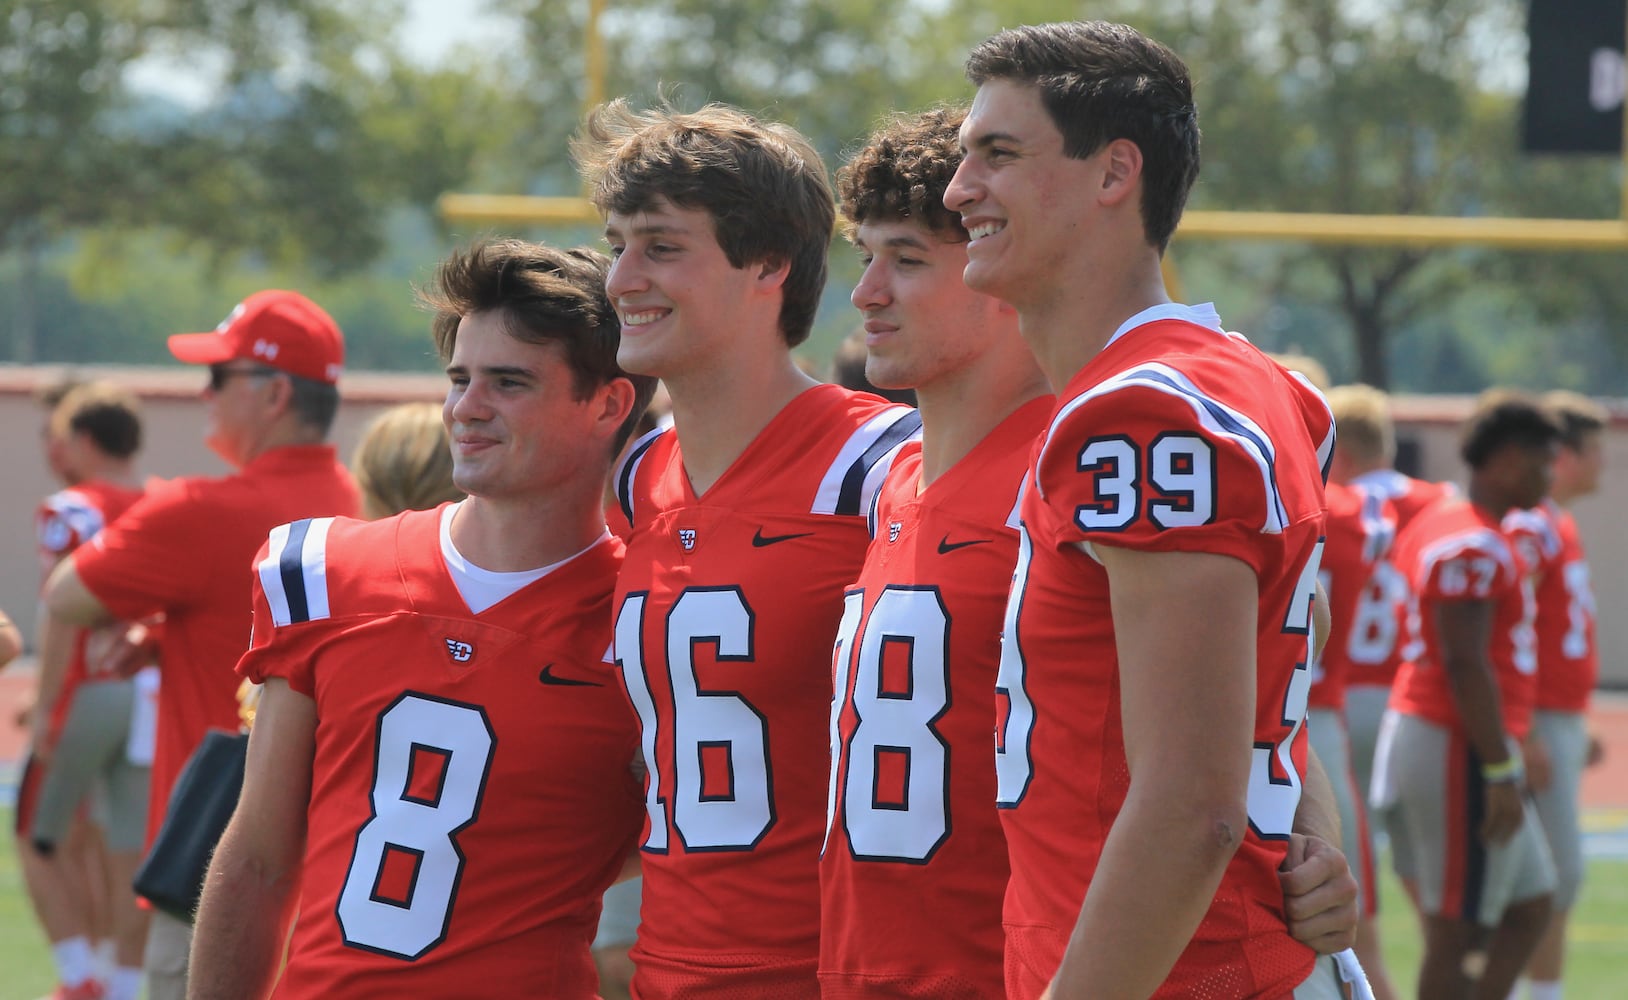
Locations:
{"points": [[1187, 699], [1465, 628], [1319, 891], [253, 882]]}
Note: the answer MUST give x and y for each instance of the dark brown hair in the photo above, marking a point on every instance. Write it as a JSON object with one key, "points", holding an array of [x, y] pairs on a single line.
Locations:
{"points": [[761, 182], [544, 295], [102, 411], [1501, 418], [1099, 82]]}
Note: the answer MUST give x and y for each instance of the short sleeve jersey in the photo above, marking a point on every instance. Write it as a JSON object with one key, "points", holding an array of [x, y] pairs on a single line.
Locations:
{"points": [[472, 793], [1568, 658], [66, 520], [914, 865], [1455, 551], [183, 551], [1360, 530], [1175, 437], [726, 612], [1408, 496]]}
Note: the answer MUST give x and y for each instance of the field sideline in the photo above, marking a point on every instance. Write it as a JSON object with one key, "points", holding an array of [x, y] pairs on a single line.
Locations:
{"points": [[1599, 933]]}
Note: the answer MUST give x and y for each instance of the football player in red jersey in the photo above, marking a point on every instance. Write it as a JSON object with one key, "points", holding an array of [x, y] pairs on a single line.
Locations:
{"points": [[914, 865], [82, 720], [748, 520], [438, 774], [1448, 763], [1153, 676], [1363, 454], [1559, 746]]}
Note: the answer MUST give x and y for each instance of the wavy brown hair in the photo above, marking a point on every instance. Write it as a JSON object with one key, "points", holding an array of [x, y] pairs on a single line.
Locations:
{"points": [[901, 173]]}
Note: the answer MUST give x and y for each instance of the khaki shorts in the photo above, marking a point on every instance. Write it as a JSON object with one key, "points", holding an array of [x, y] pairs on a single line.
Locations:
{"points": [[619, 920], [1335, 977], [1431, 779]]}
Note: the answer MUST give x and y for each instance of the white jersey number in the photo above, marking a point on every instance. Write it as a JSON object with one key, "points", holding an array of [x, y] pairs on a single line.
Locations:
{"points": [[1014, 712], [1580, 609], [1274, 784], [895, 805], [415, 823], [1180, 469], [1374, 623], [722, 784]]}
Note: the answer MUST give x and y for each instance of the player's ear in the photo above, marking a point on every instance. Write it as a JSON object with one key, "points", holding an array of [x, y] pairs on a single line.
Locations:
{"points": [[1121, 170], [615, 401], [772, 273]]}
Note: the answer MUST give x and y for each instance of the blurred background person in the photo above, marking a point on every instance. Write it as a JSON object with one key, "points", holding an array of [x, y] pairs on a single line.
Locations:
{"points": [[404, 461], [92, 776], [1559, 747]]}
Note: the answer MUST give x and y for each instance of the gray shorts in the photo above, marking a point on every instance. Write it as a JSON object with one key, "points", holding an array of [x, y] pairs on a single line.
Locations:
{"points": [[1335, 977], [1431, 780], [1326, 730], [619, 920], [91, 755], [1565, 736]]}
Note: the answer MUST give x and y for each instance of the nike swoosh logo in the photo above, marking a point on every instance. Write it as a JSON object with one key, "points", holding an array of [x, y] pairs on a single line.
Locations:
{"points": [[946, 546], [549, 677], [760, 539]]}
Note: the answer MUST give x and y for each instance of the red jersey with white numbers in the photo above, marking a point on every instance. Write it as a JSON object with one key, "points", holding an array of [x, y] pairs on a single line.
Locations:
{"points": [[1568, 659], [914, 866], [472, 793], [1360, 529], [1408, 497], [726, 610], [66, 520], [1175, 437], [1455, 551]]}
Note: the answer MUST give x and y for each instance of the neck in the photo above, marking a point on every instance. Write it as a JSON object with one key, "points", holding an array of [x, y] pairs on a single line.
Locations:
{"points": [[960, 411], [1070, 327], [1488, 499], [719, 410], [508, 535], [117, 471]]}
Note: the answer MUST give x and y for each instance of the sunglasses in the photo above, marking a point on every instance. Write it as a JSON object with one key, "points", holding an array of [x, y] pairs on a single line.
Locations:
{"points": [[219, 375]]}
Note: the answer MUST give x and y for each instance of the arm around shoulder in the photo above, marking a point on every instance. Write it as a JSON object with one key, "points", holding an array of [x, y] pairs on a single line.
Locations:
{"points": [[253, 881]]}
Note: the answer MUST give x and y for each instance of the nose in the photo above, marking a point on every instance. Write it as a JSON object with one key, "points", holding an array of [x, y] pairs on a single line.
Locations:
{"points": [[962, 191], [465, 404], [625, 276], [871, 292]]}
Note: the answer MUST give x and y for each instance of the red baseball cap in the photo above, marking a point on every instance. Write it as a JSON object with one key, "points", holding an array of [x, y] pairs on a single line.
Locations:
{"points": [[283, 330]]}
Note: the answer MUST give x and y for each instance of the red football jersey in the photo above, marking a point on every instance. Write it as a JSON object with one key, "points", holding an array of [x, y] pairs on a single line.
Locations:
{"points": [[1174, 437], [914, 866], [1568, 659], [472, 795], [727, 606], [1360, 529], [1408, 497], [66, 520], [1455, 551]]}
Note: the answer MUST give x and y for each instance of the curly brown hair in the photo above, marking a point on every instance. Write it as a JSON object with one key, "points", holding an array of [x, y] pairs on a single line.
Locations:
{"points": [[902, 171], [762, 183]]}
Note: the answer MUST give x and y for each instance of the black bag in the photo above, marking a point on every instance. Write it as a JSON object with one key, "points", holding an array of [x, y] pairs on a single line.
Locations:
{"points": [[205, 794]]}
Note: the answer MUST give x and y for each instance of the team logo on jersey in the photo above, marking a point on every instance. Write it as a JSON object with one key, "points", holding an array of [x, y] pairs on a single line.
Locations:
{"points": [[686, 538], [459, 651], [893, 529]]}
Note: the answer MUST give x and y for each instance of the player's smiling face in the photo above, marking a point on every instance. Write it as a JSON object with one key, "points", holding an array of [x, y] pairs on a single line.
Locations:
{"points": [[518, 429], [1025, 204], [678, 296], [921, 320]]}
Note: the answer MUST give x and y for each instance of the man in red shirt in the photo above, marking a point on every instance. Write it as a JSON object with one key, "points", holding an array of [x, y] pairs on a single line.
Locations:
{"points": [[182, 550], [439, 772], [748, 520], [1152, 684], [1449, 762], [1559, 746]]}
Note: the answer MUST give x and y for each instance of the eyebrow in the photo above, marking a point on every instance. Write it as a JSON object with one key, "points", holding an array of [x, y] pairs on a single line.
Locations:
{"points": [[907, 242], [649, 229], [986, 139], [493, 370]]}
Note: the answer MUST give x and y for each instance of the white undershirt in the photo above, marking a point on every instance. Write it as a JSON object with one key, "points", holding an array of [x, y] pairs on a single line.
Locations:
{"points": [[1203, 314], [483, 588]]}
